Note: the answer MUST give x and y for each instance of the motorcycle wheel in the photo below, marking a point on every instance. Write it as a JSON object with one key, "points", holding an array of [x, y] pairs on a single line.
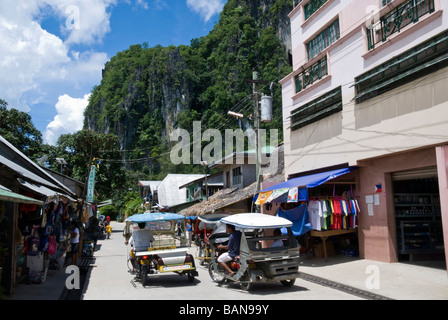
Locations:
{"points": [[219, 276], [144, 271], [245, 283], [288, 283], [202, 256]]}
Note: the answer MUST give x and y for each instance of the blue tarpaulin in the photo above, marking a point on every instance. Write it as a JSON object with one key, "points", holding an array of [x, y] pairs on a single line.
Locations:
{"points": [[309, 181], [299, 218]]}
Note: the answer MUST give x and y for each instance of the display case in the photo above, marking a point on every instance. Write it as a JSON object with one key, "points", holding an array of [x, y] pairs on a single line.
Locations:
{"points": [[408, 205], [419, 226], [420, 236]]}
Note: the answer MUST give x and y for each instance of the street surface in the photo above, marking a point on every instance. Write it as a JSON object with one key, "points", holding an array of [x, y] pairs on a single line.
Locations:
{"points": [[109, 279]]}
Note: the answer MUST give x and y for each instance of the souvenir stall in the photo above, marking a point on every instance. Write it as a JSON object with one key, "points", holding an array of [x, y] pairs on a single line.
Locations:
{"points": [[319, 207], [45, 236], [12, 255]]}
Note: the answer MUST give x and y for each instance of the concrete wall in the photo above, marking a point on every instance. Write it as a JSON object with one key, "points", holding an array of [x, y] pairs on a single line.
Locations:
{"points": [[442, 168], [377, 232]]}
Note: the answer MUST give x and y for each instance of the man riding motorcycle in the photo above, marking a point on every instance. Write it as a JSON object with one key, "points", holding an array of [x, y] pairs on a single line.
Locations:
{"points": [[232, 248]]}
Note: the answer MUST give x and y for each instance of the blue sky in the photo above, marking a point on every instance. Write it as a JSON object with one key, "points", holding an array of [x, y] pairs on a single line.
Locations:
{"points": [[52, 51]]}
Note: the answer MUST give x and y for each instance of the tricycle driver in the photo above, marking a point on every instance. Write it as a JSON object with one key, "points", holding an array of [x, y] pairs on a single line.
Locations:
{"points": [[233, 248], [140, 240]]}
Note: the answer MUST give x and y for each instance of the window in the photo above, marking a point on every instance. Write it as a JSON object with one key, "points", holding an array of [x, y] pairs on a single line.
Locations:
{"points": [[385, 2], [428, 57], [312, 6], [320, 108], [312, 74], [236, 175], [407, 13], [323, 40]]}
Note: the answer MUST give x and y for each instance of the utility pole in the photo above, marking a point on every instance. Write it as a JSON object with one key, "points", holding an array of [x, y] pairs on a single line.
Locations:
{"points": [[255, 83]]}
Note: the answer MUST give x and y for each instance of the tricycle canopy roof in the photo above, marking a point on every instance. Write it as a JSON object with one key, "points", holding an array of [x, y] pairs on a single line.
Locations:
{"points": [[212, 218], [154, 216], [256, 221]]}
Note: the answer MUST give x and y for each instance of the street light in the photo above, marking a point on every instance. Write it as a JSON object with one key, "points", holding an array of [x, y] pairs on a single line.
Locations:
{"points": [[61, 161], [235, 114]]}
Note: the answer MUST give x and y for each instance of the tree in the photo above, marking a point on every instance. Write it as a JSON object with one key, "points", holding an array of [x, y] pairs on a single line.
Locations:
{"points": [[133, 204], [16, 127]]}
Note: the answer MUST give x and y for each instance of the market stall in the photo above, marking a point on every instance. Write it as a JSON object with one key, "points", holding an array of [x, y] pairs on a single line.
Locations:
{"points": [[12, 256], [36, 235], [319, 207]]}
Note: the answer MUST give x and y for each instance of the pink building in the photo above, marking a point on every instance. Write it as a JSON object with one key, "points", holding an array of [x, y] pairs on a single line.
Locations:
{"points": [[369, 89]]}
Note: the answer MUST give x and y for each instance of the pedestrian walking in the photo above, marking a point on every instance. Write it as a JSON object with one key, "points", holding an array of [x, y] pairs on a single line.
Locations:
{"points": [[108, 230], [189, 232]]}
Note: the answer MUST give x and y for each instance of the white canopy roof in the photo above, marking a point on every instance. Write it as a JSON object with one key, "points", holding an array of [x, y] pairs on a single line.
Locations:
{"points": [[256, 221]]}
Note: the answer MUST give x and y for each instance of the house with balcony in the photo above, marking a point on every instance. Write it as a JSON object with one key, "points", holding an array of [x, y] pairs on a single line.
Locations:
{"points": [[368, 91]]}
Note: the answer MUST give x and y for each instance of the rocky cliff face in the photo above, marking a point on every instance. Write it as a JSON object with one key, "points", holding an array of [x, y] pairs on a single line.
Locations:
{"points": [[145, 90], [272, 13], [153, 88]]}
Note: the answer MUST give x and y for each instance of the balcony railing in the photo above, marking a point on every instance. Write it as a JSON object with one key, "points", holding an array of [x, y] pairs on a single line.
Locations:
{"points": [[408, 13], [312, 6], [312, 74]]}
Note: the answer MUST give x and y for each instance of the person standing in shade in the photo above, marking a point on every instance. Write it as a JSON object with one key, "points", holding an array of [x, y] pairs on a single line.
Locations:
{"points": [[74, 243]]}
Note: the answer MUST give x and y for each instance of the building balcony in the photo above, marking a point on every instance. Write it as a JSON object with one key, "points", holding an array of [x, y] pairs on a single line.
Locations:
{"points": [[314, 73], [393, 22]]}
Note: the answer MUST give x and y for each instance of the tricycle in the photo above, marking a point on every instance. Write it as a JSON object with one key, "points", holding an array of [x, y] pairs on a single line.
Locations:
{"points": [[204, 228], [156, 248], [268, 251]]}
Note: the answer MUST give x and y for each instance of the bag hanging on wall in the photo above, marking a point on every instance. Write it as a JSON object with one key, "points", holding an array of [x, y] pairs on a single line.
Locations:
{"points": [[51, 245], [33, 246], [33, 242]]}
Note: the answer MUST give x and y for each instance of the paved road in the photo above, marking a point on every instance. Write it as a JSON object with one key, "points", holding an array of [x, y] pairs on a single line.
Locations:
{"points": [[110, 280]]}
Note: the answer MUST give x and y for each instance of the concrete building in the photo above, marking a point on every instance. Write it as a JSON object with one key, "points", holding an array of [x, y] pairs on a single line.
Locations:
{"points": [[169, 191], [369, 90]]}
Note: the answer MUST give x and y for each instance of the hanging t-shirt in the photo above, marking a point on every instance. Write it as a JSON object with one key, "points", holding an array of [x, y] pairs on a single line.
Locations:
{"points": [[337, 214], [331, 214], [315, 213]]}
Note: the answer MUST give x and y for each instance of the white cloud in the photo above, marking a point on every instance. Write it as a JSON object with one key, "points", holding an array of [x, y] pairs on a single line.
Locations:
{"points": [[143, 4], [85, 21], [26, 50], [206, 8], [70, 117], [37, 66]]}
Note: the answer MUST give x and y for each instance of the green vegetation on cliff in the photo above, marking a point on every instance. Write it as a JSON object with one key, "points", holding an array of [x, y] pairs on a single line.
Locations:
{"points": [[147, 92]]}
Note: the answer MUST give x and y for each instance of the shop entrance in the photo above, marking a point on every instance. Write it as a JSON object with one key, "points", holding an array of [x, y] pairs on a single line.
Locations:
{"points": [[418, 217]]}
